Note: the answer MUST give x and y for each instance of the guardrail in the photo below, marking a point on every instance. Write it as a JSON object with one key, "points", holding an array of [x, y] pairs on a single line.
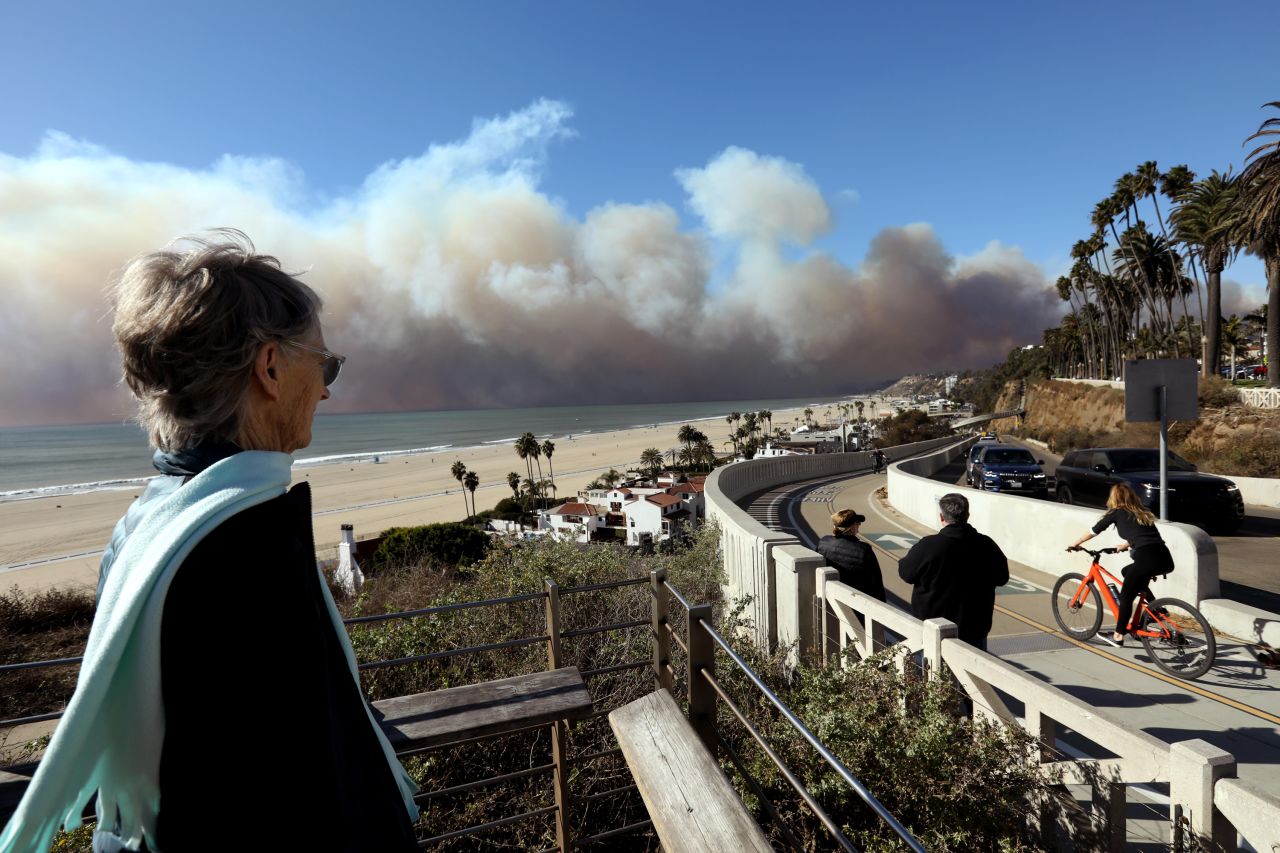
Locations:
{"points": [[1260, 398], [1204, 796]]}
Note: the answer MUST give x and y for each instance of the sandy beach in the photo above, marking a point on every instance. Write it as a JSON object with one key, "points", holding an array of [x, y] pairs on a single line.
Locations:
{"points": [[57, 541]]}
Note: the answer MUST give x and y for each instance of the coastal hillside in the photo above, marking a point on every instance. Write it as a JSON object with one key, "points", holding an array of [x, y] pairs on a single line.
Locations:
{"points": [[910, 386], [1228, 438]]}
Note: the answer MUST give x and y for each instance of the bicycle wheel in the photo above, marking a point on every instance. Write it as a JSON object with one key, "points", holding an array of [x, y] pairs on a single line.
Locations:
{"points": [[1081, 620], [1186, 646]]}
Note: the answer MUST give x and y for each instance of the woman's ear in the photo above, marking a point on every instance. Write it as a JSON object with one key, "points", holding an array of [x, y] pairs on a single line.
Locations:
{"points": [[266, 367]]}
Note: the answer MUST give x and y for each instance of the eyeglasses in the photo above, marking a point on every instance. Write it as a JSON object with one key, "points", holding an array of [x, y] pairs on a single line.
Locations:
{"points": [[332, 363]]}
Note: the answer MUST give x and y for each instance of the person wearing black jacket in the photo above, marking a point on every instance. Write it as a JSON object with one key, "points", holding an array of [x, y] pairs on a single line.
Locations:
{"points": [[264, 722], [954, 573], [1137, 527], [853, 558]]}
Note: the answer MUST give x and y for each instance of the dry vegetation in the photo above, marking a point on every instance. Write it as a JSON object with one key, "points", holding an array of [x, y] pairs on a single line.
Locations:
{"points": [[1228, 439]]}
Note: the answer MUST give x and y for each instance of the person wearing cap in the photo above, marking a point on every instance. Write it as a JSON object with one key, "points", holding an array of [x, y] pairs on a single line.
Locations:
{"points": [[853, 558], [954, 573]]}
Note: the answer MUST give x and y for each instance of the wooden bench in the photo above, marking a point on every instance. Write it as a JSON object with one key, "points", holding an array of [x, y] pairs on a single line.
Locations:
{"points": [[479, 710], [433, 719], [691, 803]]}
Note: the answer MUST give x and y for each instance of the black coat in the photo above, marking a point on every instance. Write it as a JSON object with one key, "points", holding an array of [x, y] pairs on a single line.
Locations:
{"points": [[856, 562], [267, 745], [954, 574]]}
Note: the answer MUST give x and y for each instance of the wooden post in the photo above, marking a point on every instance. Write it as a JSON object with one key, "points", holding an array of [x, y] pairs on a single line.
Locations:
{"points": [[702, 658], [661, 635], [559, 729]]}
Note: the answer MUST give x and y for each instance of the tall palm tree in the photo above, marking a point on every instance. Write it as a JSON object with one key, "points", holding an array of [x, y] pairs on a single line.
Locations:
{"points": [[687, 435], [1209, 219], [767, 415], [513, 480], [459, 471], [1260, 198], [472, 482], [808, 415], [535, 450], [549, 447], [524, 449], [611, 477], [706, 452]]}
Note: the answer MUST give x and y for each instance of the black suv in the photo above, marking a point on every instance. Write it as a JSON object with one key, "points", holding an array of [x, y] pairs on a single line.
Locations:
{"points": [[1001, 468], [1085, 477]]}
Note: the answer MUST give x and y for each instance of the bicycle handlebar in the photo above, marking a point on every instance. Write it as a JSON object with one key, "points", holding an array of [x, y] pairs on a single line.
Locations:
{"points": [[1094, 554]]}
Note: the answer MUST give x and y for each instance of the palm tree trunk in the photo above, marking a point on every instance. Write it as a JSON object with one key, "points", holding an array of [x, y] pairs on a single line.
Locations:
{"points": [[1213, 356], [1273, 320]]}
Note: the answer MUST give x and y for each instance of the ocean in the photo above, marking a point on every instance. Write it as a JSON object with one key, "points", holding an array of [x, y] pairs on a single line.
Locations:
{"points": [[40, 461]]}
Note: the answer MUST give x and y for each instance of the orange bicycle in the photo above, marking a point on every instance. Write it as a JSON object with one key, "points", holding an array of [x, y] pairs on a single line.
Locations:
{"points": [[1174, 633]]}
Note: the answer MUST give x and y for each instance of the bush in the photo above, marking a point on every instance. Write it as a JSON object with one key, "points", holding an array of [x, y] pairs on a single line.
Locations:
{"points": [[1217, 393], [41, 626], [957, 783], [448, 544]]}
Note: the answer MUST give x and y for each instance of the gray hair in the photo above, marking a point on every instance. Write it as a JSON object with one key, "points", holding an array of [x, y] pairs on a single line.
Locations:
{"points": [[954, 508], [189, 321]]}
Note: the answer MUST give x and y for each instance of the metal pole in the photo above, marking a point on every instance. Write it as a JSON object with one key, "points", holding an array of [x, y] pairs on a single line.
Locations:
{"points": [[1164, 454]]}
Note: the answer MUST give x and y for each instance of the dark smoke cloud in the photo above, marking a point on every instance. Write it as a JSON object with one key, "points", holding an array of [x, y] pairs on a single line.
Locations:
{"points": [[452, 281]]}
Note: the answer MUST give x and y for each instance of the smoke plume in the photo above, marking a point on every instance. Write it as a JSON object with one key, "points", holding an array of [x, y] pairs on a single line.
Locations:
{"points": [[452, 281]]}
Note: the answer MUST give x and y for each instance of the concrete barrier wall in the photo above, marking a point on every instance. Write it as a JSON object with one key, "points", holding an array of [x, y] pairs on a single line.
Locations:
{"points": [[749, 547], [1035, 532], [1257, 491]]}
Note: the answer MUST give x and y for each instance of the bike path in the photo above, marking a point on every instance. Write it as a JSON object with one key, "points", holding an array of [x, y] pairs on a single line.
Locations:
{"points": [[1235, 706]]}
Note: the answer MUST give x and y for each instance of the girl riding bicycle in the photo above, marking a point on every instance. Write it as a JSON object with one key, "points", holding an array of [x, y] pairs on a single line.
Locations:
{"points": [[1137, 526]]}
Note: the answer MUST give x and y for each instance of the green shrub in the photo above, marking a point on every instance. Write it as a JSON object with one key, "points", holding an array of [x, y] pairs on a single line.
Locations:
{"points": [[448, 544], [957, 783]]}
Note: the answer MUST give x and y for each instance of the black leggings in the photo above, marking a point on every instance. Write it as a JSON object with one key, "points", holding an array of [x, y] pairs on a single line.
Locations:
{"points": [[1148, 562]]}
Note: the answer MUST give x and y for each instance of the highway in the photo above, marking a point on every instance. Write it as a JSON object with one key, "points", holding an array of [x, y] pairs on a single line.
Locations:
{"points": [[1235, 706]]}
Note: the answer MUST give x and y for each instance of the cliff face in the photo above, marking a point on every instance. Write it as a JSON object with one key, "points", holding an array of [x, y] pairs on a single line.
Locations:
{"points": [[1231, 439]]}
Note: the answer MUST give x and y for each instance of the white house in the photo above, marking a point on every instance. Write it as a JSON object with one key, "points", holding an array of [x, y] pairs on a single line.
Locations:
{"points": [[572, 520]]}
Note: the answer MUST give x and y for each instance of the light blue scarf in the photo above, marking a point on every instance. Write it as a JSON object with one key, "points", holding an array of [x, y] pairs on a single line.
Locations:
{"points": [[110, 736]]}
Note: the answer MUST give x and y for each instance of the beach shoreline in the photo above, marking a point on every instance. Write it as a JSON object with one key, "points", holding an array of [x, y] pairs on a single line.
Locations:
{"points": [[56, 540]]}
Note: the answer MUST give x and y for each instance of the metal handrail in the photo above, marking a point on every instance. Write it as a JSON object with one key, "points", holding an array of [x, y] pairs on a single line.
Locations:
{"points": [[35, 664], [444, 608], [592, 587], [481, 827], [835, 763], [786, 771]]}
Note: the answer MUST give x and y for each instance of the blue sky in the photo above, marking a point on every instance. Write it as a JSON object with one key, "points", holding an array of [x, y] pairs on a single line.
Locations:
{"points": [[719, 200], [990, 121]]}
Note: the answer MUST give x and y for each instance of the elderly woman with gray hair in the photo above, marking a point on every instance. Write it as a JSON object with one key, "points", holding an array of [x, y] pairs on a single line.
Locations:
{"points": [[218, 704]]}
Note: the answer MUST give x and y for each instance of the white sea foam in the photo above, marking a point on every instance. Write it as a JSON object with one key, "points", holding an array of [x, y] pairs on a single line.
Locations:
{"points": [[365, 455], [74, 489]]}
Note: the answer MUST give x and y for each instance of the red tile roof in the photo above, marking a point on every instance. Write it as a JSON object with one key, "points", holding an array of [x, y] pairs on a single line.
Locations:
{"points": [[685, 488], [574, 509], [662, 499]]}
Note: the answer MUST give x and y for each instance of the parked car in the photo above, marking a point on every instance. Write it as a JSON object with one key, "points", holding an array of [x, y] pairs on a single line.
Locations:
{"points": [[974, 452], [1085, 477], [1002, 468]]}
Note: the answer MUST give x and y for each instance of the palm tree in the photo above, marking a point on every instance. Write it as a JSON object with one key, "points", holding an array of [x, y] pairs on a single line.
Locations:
{"points": [[524, 449], [808, 415], [1209, 219], [472, 482], [611, 477], [535, 450], [513, 480], [1234, 336], [1260, 198], [686, 435], [459, 471], [549, 447], [651, 458], [706, 452], [767, 415]]}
